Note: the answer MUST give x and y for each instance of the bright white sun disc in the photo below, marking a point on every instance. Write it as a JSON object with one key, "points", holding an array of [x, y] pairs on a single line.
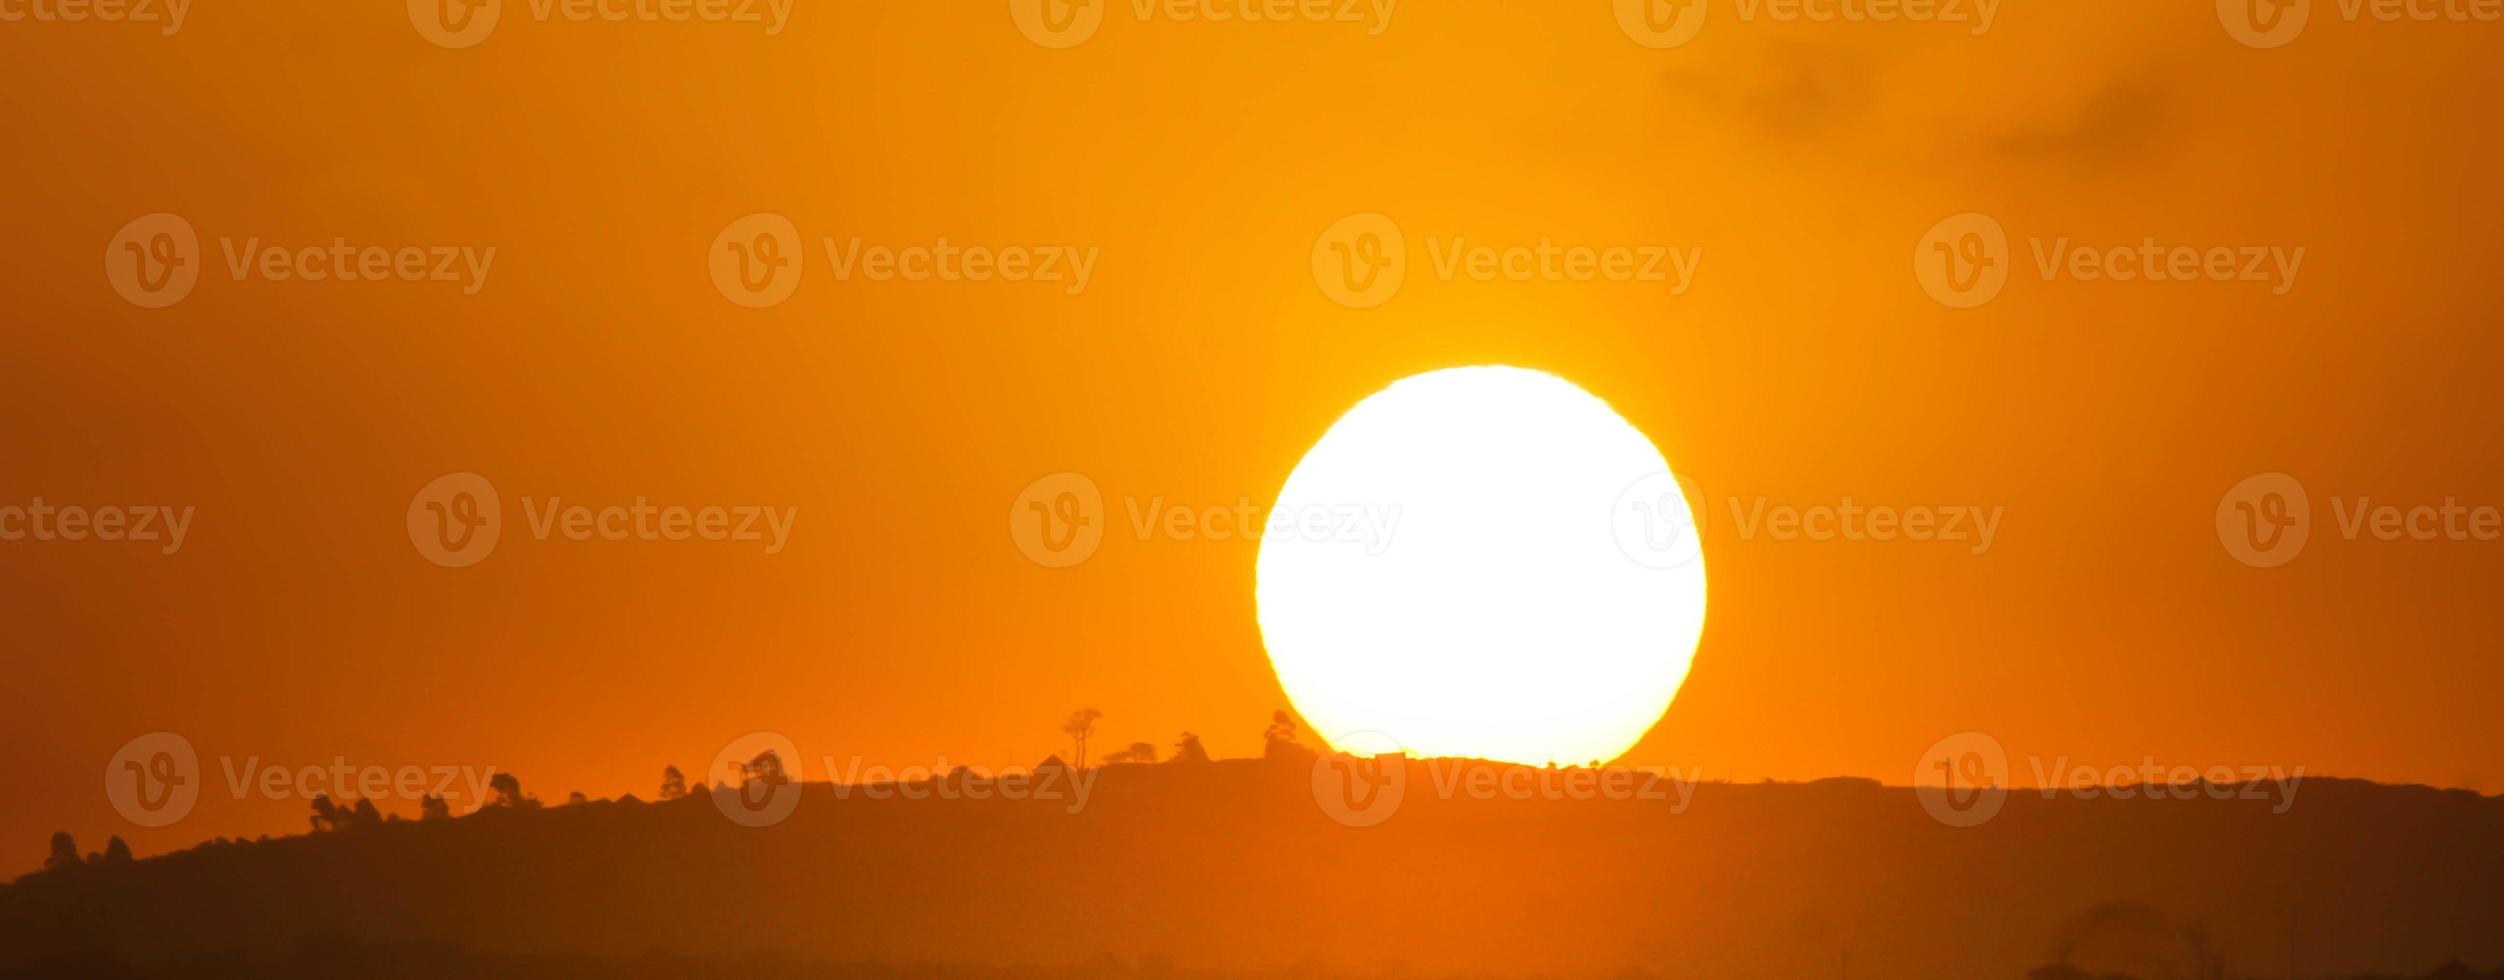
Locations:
{"points": [[1482, 562]]}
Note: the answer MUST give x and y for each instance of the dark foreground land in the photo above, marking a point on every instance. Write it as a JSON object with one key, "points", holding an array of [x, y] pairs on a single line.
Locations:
{"points": [[1232, 869]]}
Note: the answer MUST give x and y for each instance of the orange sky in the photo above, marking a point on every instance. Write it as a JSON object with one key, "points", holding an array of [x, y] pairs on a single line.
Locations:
{"points": [[1804, 365]]}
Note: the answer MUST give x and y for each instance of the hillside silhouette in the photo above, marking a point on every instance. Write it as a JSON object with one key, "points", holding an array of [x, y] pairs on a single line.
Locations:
{"points": [[1231, 868]]}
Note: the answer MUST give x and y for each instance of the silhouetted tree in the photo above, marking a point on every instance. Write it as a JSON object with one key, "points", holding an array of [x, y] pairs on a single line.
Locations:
{"points": [[64, 852], [1189, 750], [365, 814], [116, 851], [673, 783], [432, 807], [576, 798], [765, 770], [1078, 727], [327, 816], [1278, 741], [508, 793], [1137, 752]]}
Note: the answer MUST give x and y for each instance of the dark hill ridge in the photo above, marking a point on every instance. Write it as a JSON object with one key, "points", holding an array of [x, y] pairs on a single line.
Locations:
{"points": [[1233, 867]]}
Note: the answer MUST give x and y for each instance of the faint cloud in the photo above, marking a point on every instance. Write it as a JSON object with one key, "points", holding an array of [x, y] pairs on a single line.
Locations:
{"points": [[1792, 91], [2123, 124]]}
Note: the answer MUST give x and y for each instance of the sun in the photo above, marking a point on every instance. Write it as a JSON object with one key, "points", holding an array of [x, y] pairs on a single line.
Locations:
{"points": [[1483, 562]]}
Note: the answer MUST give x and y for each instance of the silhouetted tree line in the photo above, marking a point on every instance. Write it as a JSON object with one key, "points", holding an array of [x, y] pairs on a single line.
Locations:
{"points": [[1280, 741], [64, 854]]}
